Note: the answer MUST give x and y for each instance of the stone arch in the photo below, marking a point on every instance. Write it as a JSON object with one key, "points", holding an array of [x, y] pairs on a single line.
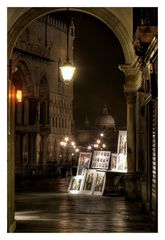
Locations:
{"points": [[103, 14], [18, 21]]}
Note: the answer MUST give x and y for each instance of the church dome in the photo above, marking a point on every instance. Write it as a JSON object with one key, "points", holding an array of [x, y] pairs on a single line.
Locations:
{"points": [[105, 120]]}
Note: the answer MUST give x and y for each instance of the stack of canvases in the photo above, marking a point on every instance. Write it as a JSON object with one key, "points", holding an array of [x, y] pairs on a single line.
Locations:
{"points": [[91, 176], [119, 159], [91, 171]]}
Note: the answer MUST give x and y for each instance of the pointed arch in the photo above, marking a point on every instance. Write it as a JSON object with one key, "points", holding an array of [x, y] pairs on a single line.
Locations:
{"points": [[21, 77]]}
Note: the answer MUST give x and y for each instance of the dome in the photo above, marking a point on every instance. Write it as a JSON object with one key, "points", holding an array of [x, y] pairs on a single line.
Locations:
{"points": [[105, 120]]}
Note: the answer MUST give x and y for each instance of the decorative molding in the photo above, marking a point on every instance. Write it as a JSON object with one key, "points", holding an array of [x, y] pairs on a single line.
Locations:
{"points": [[133, 77], [36, 56], [143, 37]]}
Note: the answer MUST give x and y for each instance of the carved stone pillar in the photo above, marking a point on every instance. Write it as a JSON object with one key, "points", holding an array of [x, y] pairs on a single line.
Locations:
{"points": [[130, 132], [133, 81], [11, 223], [131, 176]]}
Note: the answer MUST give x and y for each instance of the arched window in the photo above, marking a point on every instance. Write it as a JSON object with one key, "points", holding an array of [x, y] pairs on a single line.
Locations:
{"points": [[32, 111], [22, 81], [42, 112]]}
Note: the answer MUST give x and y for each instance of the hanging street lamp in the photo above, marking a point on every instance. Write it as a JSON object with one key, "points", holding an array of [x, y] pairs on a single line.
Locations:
{"points": [[67, 69]]}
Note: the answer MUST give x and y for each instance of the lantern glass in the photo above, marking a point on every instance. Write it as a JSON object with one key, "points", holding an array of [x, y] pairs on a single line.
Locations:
{"points": [[19, 96], [67, 71]]}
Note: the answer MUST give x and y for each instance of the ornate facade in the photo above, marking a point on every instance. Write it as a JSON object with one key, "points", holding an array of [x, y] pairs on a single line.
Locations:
{"points": [[44, 116]]}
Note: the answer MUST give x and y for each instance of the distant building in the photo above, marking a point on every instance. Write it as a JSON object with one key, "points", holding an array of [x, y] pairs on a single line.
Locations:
{"points": [[104, 129], [45, 114]]}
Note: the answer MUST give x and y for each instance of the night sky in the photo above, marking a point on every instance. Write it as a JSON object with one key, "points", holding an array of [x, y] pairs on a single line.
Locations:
{"points": [[97, 54]]}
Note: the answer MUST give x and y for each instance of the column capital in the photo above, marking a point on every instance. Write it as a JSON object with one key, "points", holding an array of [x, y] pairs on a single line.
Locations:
{"points": [[133, 76]]}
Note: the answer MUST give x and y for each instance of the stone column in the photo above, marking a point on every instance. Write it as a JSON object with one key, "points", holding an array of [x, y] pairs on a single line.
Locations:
{"points": [[35, 150], [131, 176], [131, 132], [133, 81], [44, 152], [11, 223]]}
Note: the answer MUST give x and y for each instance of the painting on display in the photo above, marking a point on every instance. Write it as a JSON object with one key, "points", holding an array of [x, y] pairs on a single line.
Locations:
{"points": [[76, 184], [84, 162], [89, 181], [99, 183], [122, 142], [122, 162], [114, 161], [101, 159]]}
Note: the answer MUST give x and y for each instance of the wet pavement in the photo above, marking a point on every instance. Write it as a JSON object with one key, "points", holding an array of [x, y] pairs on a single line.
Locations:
{"points": [[45, 206]]}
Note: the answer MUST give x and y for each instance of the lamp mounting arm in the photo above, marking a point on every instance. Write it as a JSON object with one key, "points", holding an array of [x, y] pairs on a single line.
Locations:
{"points": [[67, 33]]}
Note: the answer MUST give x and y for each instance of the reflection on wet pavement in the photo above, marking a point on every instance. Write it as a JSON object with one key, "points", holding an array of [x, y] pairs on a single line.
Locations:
{"points": [[55, 211]]}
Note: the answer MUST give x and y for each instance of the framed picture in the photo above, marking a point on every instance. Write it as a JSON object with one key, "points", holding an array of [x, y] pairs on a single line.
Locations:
{"points": [[122, 162], [76, 184], [99, 183], [89, 181], [84, 162], [114, 161], [100, 159], [122, 142]]}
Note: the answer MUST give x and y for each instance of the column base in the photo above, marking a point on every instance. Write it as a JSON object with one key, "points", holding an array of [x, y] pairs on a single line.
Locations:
{"points": [[12, 227], [132, 187]]}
